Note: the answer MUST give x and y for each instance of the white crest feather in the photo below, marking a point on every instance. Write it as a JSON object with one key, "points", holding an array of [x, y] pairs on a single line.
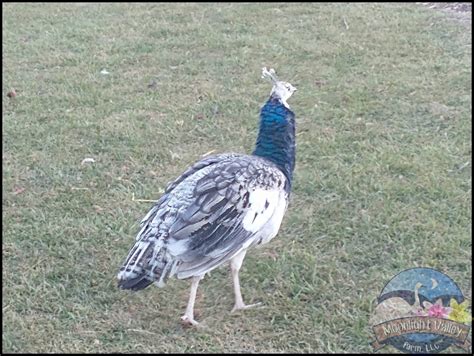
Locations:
{"points": [[269, 74]]}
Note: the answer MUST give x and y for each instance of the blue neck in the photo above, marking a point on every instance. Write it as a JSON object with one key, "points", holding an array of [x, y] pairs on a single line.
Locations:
{"points": [[276, 136]]}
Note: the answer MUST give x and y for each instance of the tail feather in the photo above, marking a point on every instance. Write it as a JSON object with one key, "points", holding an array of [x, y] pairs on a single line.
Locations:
{"points": [[137, 283], [148, 262], [134, 274]]}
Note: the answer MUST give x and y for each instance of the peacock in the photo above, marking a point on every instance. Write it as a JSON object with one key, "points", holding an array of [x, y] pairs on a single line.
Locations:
{"points": [[219, 208]]}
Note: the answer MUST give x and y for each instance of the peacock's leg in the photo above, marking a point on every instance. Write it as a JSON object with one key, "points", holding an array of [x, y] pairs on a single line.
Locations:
{"points": [[235, 264], [188, 316]]}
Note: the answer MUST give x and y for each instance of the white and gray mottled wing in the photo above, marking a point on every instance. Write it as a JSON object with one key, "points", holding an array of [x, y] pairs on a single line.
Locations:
{"points": [[233, 205], [205, 218], [199, 165]]}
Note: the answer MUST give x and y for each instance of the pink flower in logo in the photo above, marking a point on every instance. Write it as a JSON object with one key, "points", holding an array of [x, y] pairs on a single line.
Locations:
{"points": [[420, 312], [438, 311]]}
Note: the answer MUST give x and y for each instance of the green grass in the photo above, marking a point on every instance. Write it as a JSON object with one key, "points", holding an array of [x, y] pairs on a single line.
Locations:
{"points": [[381, 184]]}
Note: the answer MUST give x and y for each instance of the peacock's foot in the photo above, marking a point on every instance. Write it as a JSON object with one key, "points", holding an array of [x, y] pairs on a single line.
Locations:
{"points": [[242, 306], [187, 320]]}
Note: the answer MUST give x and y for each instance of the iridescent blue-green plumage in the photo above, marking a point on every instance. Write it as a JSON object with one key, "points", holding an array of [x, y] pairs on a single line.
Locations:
{"points": [[219, 207], [276, 137]]}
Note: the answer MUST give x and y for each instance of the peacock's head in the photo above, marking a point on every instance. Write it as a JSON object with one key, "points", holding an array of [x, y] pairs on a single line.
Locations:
{"points": [[280, 90]]}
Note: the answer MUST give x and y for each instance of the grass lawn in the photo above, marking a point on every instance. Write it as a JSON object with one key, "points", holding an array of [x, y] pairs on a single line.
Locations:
{"points": [[382, 180]]}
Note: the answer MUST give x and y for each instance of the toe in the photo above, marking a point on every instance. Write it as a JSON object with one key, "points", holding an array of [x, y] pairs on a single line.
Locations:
{"points": [[188, 321], [245, 306]]}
